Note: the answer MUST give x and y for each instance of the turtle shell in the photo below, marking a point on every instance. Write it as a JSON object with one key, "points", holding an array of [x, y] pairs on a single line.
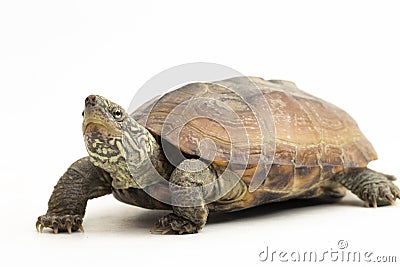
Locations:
{"points": [[243, 120]]}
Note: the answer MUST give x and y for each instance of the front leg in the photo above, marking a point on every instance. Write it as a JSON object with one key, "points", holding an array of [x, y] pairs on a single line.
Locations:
{"points": [[190, 211], [66, 208]]}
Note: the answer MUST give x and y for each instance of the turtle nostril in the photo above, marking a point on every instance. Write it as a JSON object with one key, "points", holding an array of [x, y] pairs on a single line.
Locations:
{"points": [[90, 100]]}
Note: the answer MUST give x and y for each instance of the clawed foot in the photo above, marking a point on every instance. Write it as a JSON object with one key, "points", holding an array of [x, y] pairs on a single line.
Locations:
{"points": [[65, 223], [174, 224], [381, 194]]}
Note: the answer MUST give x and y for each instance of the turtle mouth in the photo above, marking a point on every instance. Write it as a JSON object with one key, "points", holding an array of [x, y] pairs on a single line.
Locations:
{"points": [[96, 125]]}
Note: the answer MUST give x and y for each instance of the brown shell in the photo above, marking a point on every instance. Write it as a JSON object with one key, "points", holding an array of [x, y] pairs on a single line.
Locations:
{"points": [[309, 132]]}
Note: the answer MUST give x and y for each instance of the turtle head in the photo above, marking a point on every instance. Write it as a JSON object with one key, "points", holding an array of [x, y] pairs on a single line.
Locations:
{"points": [[102, 127], [115, 140], [102, 116]]}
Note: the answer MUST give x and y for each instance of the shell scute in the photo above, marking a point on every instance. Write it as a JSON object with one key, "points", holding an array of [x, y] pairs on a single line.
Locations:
{"points": [[309, 133]]}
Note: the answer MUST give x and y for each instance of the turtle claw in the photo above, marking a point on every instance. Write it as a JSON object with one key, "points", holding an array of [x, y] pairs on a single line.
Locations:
{"points": [[161, 227], [65, 223], [39, 227], [392, 201], [155, 230], [158, 229], [380, 194], [173, 224], [374, 203], [69, 227]]}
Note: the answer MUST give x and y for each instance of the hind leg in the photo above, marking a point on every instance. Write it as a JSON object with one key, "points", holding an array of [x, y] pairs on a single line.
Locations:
{"points": [[375, 188]]}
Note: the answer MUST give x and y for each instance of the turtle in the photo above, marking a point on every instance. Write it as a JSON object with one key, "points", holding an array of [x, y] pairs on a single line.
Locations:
{"points": [[217, 146]]}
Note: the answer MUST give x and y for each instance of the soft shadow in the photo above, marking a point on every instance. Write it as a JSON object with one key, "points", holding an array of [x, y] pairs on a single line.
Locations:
{"points": [[128, 219], [279, 208]]}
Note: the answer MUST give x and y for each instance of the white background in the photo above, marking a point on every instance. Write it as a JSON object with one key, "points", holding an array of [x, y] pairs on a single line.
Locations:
{"points": [[55, 53]]}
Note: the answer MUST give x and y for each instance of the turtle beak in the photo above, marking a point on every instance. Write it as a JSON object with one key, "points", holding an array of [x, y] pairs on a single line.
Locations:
{"points": [[96, 114], [89, 113], [91, 101]]}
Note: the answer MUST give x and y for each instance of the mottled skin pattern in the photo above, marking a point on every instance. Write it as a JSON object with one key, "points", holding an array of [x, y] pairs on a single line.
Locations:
{"points": [[374, 188], [81, 182], [327, 155], [190, 175]]}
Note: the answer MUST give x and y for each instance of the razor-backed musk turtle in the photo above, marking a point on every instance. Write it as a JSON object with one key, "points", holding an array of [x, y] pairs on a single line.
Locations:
{"points": [[216, 147]]}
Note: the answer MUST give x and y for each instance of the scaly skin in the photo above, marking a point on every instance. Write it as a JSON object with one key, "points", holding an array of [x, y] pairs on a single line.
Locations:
{"points": [[113, 139], [187, 182], [106, 169], [375, 188], [193, 184], [81, 182]]}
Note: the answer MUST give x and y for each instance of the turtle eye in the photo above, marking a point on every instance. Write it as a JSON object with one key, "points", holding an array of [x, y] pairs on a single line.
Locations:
{"points": [[117, 113]]}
